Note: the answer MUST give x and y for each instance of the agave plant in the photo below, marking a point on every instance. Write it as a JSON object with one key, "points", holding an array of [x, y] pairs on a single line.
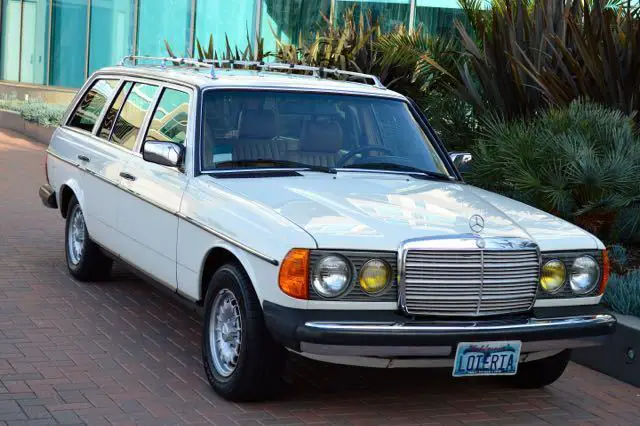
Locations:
{"points": [[623, 293], [229, 53], [580, 162], [525, 55]]}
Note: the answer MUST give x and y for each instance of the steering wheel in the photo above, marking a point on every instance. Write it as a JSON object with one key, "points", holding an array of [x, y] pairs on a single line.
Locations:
{"points": [[341, 162]]}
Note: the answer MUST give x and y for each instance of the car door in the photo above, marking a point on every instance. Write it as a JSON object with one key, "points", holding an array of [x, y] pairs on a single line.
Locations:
{"points": [[148, 214], [100, 162]]}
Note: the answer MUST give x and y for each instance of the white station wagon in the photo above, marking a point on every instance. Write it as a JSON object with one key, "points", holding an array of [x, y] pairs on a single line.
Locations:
{"points": [[315, 211]]}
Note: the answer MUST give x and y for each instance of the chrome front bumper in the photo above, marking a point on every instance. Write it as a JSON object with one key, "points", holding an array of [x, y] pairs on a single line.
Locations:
{"points": [[521, 331], [390, 334]]}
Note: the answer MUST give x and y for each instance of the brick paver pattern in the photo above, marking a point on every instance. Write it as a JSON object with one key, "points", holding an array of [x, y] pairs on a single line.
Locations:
{"points": [[121, 352]]}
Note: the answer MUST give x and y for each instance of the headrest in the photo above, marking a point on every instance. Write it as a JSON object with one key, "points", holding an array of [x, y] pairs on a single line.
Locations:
{"points": [[322, 137], [257, 124]]}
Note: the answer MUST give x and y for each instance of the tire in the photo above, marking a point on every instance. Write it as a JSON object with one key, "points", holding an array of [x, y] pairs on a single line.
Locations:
{"points": [[85, 260], [254, 371], [542, 372]]}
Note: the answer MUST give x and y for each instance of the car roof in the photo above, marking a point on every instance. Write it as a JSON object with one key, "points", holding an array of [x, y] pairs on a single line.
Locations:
{"points": [[250, 79]]}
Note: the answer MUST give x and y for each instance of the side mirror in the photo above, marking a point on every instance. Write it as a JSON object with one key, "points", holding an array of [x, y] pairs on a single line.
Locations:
{"points": [[165, 153], [462, 160]]}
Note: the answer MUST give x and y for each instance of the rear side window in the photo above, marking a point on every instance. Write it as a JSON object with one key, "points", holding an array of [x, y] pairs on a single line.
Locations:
{"points": [[169, 122], [110, 116], [129, 121], [92, 104]]}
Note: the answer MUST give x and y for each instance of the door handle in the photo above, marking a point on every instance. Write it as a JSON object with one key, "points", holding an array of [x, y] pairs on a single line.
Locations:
{"points": [[84, 158], [127, 176]]}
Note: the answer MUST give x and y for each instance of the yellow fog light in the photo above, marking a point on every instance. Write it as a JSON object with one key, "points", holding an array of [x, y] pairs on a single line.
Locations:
{"points": [[553, 276], [375, 276]]}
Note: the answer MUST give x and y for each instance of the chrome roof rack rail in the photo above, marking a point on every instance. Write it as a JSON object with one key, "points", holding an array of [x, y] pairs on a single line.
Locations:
{"points": [[229, 64]]}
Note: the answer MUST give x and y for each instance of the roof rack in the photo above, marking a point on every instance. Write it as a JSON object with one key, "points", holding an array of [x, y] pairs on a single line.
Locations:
{"points": [[216, 65]]}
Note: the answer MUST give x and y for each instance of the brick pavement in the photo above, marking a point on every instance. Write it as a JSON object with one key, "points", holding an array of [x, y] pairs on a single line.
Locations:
{"points": [[120, 352]]}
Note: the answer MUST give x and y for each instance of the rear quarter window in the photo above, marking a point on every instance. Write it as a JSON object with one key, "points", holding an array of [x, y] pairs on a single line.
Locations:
{"points": [[93, 102]]}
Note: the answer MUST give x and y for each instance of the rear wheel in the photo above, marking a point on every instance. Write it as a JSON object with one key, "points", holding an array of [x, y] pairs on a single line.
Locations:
{"points": [[241, 359], [542, 372], [85, 259]]}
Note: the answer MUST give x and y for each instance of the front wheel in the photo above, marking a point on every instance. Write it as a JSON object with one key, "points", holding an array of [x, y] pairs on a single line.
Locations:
{"points": [[542, 372], [241, 359]]}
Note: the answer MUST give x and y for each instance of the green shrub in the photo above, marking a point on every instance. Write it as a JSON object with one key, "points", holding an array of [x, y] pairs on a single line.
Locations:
{"points": [[37, 111], [48, 115], [623, 293], [581, 163], [10, 104]]}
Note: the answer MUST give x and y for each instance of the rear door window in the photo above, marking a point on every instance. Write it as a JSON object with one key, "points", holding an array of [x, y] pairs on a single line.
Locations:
{"points": [[132, 115], [92, 104], [110, 117]]}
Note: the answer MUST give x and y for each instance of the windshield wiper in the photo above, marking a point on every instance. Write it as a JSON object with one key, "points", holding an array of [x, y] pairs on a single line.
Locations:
{"points": [[410, 170], [267, 164]]}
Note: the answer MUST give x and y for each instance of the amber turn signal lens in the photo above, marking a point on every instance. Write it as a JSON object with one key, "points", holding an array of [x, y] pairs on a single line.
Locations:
{"points": [[606, 267], [294, 274]]}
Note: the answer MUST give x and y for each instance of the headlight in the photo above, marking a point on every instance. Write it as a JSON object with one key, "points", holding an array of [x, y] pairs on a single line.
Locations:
{"points": [[374, 276], [584, 274], [553, 276], [331, 276]]}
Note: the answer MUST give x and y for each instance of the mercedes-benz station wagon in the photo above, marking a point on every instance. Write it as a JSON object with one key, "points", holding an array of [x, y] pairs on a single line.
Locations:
{"points": [[315, 211]]}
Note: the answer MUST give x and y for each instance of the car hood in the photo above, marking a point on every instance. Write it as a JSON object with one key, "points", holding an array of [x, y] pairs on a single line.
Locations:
{"points": [[378, 211]]}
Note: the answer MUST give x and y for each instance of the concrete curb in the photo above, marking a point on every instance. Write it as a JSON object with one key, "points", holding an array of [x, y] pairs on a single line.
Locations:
{"points": [[620, 357], [14, 121]]}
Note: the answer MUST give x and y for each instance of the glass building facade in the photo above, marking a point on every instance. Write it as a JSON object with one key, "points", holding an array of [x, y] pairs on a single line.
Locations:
{"points": [[61, 42]]}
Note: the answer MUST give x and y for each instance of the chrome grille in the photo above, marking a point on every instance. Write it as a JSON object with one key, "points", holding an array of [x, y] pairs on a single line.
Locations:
{"points": [[469, 282]]}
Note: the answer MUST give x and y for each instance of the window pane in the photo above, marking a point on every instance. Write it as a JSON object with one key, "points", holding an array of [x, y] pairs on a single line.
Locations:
{"points": [[9, 60], [213, 17], [68, 43], [390, 13], [167, 20], [275, 129], [438, 16], [129, 122], [92, 104], [111, 32], [170, 119], [110, 116], [290, 19]]}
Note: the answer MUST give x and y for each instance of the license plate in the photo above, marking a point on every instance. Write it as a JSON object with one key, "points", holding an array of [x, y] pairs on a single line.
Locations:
{"points": [[487, 358]]}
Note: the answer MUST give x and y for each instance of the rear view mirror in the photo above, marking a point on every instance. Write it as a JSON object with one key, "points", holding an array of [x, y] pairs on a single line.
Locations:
{"points": [[164, 153], [462, 160]]}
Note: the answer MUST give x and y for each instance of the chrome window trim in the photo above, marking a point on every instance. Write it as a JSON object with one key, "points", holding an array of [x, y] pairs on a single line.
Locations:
{"points": [[107, 107], [132, 74], [73, 106], [117, 112], [144, 126], [462, 242]]}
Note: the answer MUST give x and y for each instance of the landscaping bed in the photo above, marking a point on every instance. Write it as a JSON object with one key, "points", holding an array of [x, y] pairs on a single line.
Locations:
{"points": [[14, 121], [34, 118]]}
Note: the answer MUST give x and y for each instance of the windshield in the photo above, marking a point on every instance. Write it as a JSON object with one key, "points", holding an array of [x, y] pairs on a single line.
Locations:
{"points": [[267, 129]]}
